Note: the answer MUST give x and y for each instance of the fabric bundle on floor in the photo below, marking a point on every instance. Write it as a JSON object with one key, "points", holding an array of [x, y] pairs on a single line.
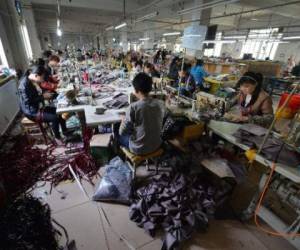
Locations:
{"points": [[179, 204], [26, 224]]}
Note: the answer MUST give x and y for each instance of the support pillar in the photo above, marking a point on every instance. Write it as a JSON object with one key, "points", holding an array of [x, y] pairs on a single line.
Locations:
{"points": [[30, 23]]}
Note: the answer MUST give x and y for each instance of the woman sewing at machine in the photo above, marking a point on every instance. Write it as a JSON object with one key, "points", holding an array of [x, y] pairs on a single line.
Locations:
{"points": [[254, 103]]}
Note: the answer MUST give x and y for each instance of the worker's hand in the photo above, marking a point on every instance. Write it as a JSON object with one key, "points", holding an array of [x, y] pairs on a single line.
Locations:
{"points": [[47, 95], [235, 118]]}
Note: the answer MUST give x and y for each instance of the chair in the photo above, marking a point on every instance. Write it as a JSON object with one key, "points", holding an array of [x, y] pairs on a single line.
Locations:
{"points": [[137, 160], [36, 130]]}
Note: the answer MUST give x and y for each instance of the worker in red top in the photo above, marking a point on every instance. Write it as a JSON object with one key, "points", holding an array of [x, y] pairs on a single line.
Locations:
{"points": [[51, 77]]}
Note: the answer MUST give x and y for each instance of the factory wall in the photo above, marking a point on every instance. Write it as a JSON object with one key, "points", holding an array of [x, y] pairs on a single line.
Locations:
{"points": [[285, 50], [68, 39]]}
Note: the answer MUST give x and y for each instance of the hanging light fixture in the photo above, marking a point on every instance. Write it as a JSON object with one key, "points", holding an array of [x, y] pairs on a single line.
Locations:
{"points": [[58, 30]]}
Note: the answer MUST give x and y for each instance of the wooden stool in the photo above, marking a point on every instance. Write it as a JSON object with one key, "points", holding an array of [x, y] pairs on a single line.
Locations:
{"points": [[137, 160], [34, 129]]}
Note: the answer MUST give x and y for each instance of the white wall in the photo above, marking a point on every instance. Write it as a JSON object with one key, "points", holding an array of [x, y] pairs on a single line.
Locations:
{"points": [[285, 50], [32, 32], [9, 104], [67, 39]]}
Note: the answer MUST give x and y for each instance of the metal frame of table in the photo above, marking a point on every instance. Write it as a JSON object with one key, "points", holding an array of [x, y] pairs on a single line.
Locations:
{"points": [[225, 130]]}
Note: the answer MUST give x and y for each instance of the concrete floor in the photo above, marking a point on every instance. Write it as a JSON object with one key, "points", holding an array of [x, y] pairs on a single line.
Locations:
{"points": [[100, 226]]}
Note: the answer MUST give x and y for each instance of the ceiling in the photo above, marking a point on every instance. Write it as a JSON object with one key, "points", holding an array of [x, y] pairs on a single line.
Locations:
{"points": [[93, 16]]}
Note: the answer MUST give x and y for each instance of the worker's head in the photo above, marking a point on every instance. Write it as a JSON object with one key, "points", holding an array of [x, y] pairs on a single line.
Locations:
{"points": [[47, 54], [36, 73], [199, 62], [142, 84], [148, 68], [184, 71], [250, 83], [53, 61]]}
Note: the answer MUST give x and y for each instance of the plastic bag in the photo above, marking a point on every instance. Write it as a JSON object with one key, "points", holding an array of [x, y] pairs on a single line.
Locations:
{"points": [[115, 185]]}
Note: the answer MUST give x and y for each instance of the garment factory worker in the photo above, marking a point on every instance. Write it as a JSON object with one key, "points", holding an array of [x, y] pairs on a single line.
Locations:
{"points": [[150, 70], [174, 67], [32, 99], [51, 69], [199, 73], [141, 127], [254, 103], [296, 70], [185, 83]]}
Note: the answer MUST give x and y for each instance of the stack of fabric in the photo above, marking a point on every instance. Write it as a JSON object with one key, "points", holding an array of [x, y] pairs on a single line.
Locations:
{"points": [[179, 204]]}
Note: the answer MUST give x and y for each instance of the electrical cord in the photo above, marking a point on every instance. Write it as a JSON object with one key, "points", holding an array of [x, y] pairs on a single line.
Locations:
{"points": [[262, 196]]}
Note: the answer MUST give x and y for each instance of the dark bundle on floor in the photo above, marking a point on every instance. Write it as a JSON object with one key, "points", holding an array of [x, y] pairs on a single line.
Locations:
{"points": [[26, 224], [22, 165], [177, 203]]}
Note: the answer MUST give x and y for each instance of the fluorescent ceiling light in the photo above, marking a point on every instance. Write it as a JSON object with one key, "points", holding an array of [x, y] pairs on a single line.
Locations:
{"points": [[58, 22], [192, 36], [120, 26], [220, 41], [109, 28], [206, 6], [172, 34], [291, 38], [144, 39], [234, 37], [151, 15], [254, 19], [59, 32]]}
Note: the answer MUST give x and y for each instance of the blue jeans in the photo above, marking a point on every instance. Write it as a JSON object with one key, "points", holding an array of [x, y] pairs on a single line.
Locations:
{"points": [[123, 140], [49, 115]]}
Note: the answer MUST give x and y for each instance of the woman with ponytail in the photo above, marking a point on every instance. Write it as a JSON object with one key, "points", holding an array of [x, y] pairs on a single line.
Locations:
{"points": [[254, 103], [32, 99]]}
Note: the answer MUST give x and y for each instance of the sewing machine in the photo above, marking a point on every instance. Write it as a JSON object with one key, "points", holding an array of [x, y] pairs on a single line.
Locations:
{"points": [[206, 102]]}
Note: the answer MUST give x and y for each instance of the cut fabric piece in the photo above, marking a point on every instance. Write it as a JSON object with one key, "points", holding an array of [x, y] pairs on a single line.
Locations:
{"points": [[177, 203], [272, 150]]}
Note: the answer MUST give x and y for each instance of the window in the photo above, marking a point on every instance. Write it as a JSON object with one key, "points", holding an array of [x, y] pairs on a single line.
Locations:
{"points": [[26, 40], [3, 59], [262, 43]]}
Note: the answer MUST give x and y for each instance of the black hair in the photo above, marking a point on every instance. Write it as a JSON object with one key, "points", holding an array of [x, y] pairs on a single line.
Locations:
{"points": [[37, 69], [254, 79], [199, 62], [186, 67], [148, 65], [54, 58], [175, 59], [142, 83], [47, 53]]}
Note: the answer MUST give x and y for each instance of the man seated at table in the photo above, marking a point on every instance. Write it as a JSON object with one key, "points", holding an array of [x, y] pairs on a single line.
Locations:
{"points": [[254, 103], [141, 127], [32, 100]]}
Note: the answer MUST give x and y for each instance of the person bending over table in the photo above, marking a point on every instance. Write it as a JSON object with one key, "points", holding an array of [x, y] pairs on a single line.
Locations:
{"points": [[185, 83], [150, 70], [140, 129], [198, 72], [254, 103], [32, 100]]}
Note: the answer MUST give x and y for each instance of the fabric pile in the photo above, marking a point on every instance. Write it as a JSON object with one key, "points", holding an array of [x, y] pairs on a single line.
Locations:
{"points": [[119, 101], [274, 149], [177, 203], [26, 224]]}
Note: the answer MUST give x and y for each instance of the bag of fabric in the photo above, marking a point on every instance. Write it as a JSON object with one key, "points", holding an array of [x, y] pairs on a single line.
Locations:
{"points": [[115, 186], [173, 126]]}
